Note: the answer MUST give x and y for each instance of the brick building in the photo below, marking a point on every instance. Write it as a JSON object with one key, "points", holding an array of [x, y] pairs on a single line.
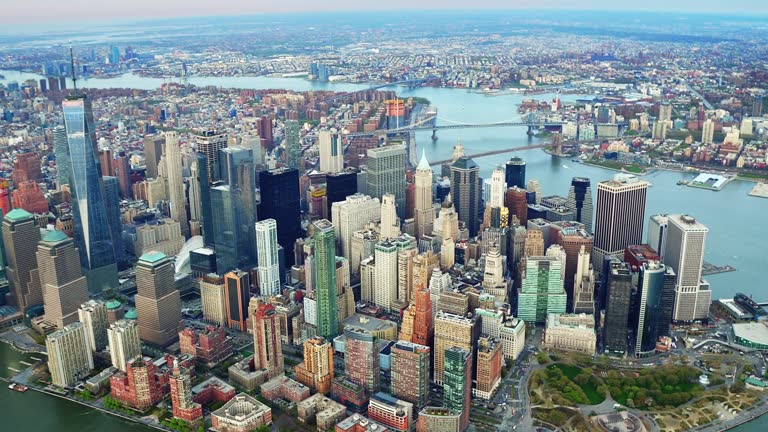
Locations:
{"points": [[209, 346]]}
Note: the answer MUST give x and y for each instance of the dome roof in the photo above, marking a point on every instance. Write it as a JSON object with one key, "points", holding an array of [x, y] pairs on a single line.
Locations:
{"points": [[54, 236]]}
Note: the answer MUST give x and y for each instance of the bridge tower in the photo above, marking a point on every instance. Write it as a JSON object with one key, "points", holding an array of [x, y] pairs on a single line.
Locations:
{"points": [[434, 134], [530, 125]]}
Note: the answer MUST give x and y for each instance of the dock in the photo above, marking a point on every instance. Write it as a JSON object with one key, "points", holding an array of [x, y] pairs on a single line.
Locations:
{"points": [[710, 269], [760, 190]]}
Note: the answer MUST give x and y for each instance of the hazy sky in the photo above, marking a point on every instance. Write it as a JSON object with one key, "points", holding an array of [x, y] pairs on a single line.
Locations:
{"points": [[37, 11]]}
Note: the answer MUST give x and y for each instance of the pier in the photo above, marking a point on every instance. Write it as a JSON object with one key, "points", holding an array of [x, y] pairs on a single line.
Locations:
{"points": [[710, 269]]}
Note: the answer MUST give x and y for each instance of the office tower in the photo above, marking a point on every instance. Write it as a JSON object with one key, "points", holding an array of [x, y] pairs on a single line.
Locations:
{"points": [[489, 362], [534, 243], [293, 144], [331, 151], [684, 252], [338, 186], [112, 204], [176, 182], [584, 285], [233, 230], [665, 112], [580, 201], [498, 188], [557, 251], [361, 358], [618, 299], [265, 132], [267, 346], [316, 371], [69, 357], [61, 279], [619, 217], [324, 276], [280, 201], [657, 233], [61, 153], [184, 407], [124, 343], [237, 286], [386, 173], [213, 299], [708, 132], [209, 143], [493, 275], [452, 331], [410, 367], [26, 168], [20, 238], [423, 264], [656, 285], [515, 173], [390, 223], [466, 191], [93, 237], [351, 215], [269, 265], [206, 211], [541, 291], [195, 205], [153, 151], [158, 303], [123, 174], [423, 323], [95, 318], [535, 188], [30, 197], [405, 273], [517, 204], [458, 382], [106, 159], [424, 210], [572, 238]]}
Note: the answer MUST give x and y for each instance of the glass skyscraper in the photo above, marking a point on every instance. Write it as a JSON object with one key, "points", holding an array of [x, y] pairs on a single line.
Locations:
{"points": [[655, 285], [237, 170], [542, 290], [205, 198], [325, 279], [280, 201], [580, 201], [91, 224], [112, 203], [61, 152]]}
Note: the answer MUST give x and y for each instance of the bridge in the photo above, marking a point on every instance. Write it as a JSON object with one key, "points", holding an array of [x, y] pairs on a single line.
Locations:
{"points": [[411, 82], [495, 152]]}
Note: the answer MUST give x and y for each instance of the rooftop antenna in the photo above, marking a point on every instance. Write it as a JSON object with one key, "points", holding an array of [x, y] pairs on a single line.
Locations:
{"points": [[72, 64]]}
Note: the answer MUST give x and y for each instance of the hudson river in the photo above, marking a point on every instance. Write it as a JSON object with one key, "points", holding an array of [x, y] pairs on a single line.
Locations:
{"points": [[736, 221]]}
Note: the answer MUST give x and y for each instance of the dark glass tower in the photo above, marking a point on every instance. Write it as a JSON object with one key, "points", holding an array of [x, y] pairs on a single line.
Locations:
{"points": [[653, 316], [205, 199], [61, 152], [112, 202], [325, 279], [230, 240], [237, 170], [515, 173], [92, 231], [280, 201], [580, 201], [339, 186], [618, 298]]}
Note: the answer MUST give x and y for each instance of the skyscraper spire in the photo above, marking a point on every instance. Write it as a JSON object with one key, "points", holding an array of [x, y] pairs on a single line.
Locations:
{"points": [[72, 66]]}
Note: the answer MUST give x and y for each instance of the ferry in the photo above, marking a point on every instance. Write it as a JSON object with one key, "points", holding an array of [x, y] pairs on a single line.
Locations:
{"points": [[18, 387]]}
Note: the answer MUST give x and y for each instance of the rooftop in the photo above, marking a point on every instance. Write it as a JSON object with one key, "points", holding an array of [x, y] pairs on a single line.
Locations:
{"points": [[152, 257], [54, 236], [18, 214], [753, 332]]}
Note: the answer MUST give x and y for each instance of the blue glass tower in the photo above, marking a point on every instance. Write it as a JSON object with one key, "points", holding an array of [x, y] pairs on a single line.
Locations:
{"points": [[92, 230], [112, 204], [205, 198]]}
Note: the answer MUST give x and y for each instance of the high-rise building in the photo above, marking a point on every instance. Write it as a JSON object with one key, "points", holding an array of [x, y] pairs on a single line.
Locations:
{"points": [[331, 151], [541, 291], [665, 112], [316, 371], [209, 143], [153, 151], [619, 216], [386, 275], [517, 205], [268, 262], [618, 299], [424, 209], [69, 357], [93, 236], [184, 407], [293, 144], [112, 204], [657, 233], [61, 153], [684, 252], [124, 343], [458, 382], [655, 286], [361, 358], [30, 197], [352, 215], [267, 346], [280, 201], [26, 168], [61, 279], [466, 191], [324, 277], [172, 159], [158, 303], [95, 317], [390, 223], [707, 131], [386, 173], [515, 173], [213, 299], [20, 239], [338, 186], [410, 366], [123, 174], [489, 363], [493, 275], [204, 188], [266, 133], [141, 386], [391, 413], [423, 323], [584, 285], [580, 201], [237, 286], [452, 331], [233, 241]]}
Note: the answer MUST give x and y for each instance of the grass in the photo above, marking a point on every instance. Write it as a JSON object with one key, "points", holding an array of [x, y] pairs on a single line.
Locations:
{"points": [[589, 388], [615, 165], [753, 176]]}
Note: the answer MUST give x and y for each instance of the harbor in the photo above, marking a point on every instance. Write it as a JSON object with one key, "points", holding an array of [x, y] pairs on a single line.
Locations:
{"points": [[760, 190]]}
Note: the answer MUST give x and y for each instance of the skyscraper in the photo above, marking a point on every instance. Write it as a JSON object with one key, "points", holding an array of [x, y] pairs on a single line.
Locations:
{"points": [[458, 382], [20, 238], [541, 291], [324, 276], [361, 358], [158, 303], [390, 223], [206, 211], [269, 264], [584, 285], [352, 215], [410, 367], [452, 331], [153, 151], [331, 151], [515, 173], [339, 186], [657, 233], [316, 371], [385, 275], [466, 191], [61, 279], [123, 174], [517, 204], [176, 182], [386, 173], [619, 217], [69, 358], [124, 343], [237, 286], [618, 299], [61, 153], [93, 236], [292, 144], [209, 143], [267, 348], [684, 252], [580, 201], [181, 395], [655, 285], [280, 201], [424, 209], [94, 316], [112, 204]]}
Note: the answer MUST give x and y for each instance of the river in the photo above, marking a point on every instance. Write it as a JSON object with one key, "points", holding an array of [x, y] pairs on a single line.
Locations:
{"points": [[722, 212]]}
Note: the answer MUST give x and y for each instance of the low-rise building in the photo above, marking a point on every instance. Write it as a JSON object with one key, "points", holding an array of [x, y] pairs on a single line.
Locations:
{"points": [[391, 412], [209, 346], [358, 423], [212, 390], [282, 387], [241, 414], [571, 332], [438, 419], [349, 393], [325, 412], [245, 374]]}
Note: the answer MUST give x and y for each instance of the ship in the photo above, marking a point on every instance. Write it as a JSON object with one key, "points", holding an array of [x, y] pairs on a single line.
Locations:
{"points": [[18, 387]]}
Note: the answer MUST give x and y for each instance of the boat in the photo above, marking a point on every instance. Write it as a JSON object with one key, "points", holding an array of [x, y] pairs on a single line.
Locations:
{"points": [[18, 387]]}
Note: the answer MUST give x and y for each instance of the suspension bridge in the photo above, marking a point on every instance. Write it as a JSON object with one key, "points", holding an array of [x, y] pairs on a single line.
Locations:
{"points": [[410, 82]]}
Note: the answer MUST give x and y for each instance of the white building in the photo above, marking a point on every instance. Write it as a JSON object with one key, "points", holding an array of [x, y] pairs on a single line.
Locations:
{"points": [[172, 158], [390, 223], [352, 215], [124, 343], [93, 315], [571, 333], [331, 151], [385, 293], [512, 335], [684, 252], [269, 264], [69, 355]]}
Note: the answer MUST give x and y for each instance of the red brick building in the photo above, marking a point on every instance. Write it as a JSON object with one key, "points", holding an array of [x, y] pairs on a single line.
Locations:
{"points": [[209, 346], [282, 387], [141, 386], [29, 197], [349, 393], [212, 390], [181, 396], [26, 168]]}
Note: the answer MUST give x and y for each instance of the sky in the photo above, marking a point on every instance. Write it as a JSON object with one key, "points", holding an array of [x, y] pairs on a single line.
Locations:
{"points": [[40, 11]]}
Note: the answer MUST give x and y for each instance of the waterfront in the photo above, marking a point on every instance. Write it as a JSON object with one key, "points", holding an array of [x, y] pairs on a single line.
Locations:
{"points": [[731, 215]]}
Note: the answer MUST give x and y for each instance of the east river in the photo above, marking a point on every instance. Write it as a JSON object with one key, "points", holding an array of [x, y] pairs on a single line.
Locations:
{"points": [[736, 221]]}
